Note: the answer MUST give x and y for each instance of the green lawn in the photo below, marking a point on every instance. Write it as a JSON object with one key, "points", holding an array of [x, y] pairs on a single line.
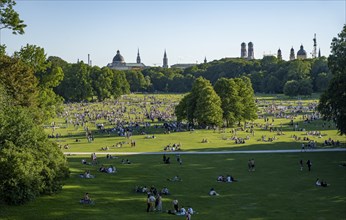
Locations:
{"points": [[276, 190]]}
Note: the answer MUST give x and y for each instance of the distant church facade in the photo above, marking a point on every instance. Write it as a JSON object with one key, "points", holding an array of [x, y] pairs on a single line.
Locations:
{"points": [[119, 63]]}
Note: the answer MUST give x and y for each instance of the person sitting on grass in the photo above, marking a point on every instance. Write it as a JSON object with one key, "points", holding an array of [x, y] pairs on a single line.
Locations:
{"points": [[103, 169], [111, 169], [230, 179], [220, 178], [86, 199], [86, 175], [175, 179], [182, 211], [165, 191], [212, 192]]}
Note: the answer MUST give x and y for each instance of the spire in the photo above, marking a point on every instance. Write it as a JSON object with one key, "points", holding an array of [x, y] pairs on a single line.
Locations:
{"points": [[292, 56], [319, 52], [279, 54], [138, 57], [165, 60], [205, 59]]}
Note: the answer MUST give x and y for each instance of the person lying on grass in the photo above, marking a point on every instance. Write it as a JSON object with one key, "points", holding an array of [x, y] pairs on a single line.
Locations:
{"points": [[175, 179], [111, 169], [165, 191], [212, 192], [86, 175], [321, 183]]}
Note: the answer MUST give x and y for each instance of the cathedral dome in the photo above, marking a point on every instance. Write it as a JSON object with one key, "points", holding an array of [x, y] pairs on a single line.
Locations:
{"points": [[301, 52], [118, 58]]}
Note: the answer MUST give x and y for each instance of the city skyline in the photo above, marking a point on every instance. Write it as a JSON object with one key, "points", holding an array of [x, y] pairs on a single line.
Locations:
{"points": [[188, 31]]}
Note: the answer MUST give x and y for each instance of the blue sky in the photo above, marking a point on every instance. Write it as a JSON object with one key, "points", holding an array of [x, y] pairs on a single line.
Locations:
{"points": [[188, 30]]}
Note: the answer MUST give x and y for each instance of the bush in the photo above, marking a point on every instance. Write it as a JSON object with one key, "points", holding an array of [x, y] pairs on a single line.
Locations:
{"points": [[30, 164]]}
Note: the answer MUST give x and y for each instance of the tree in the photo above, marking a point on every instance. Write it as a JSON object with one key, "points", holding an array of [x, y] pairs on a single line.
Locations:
{"points": [[101, 82], [120, 86], [230, 100], [201, 105], [291, 88], [208, 108], [30, 164], [247, 98], [19, 82], [332, 104], [49, 76], [76, 85], [9, 18]]}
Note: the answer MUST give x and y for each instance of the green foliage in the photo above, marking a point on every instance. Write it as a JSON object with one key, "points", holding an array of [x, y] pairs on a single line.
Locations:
{"points": [[19, 81], [120, 86], [9, 18], [291, 88], [333, 101], [202, 105], [136, 80], [247, 98], [208, 108], [76, 85], [230, 100], [31, 165]]}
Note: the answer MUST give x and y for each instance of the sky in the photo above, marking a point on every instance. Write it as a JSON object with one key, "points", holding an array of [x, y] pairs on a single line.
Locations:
{"points": [[188, 30]]}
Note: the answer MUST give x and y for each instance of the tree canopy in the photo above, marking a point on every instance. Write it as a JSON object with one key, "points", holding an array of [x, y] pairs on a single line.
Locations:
{"points": [[9, 18], [333, 101]]}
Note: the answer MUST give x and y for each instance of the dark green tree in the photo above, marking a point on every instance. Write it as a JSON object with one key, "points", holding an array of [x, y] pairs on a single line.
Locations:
{"points": [[333, 101], [230, 100], [101, 82], [247, 98], [208, 108], [120, 86], [291, 88]]}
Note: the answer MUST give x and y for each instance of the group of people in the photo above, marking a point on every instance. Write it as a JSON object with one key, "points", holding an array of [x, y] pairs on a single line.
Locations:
{"points": [[228, 179], [181, 211], [110, 169]]}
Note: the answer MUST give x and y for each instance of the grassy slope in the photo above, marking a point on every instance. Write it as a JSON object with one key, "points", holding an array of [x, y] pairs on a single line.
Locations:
{"points": [[276, 190]]}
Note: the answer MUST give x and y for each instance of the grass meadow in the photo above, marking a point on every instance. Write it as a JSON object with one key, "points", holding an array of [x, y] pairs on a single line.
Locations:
{"points": [[278, 189]]}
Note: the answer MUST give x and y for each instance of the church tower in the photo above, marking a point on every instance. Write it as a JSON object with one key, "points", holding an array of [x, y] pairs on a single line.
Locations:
{"points": [[138, 57], [165, 60], [319, 53], [243, 50], [250, 51], [292, 56], [279, 54], [205, 59]]}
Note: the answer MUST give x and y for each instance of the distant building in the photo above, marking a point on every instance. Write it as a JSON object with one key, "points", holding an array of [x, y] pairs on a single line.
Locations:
{"points": [[205, 60], [118, 63], [165, 60], [243, 52], [279, 54], [301, 54], [292, 55], [250, 51]]}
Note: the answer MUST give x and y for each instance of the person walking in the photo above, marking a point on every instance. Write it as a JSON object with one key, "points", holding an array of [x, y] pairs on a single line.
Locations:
{"points": [[309, 163]]}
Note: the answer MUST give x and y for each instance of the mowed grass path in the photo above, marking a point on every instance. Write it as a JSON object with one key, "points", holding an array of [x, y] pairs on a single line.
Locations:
{"points": [[276, 190]]}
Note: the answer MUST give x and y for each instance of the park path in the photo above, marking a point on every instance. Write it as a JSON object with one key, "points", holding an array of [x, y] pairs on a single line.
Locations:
{"points": [[212, 152]]}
